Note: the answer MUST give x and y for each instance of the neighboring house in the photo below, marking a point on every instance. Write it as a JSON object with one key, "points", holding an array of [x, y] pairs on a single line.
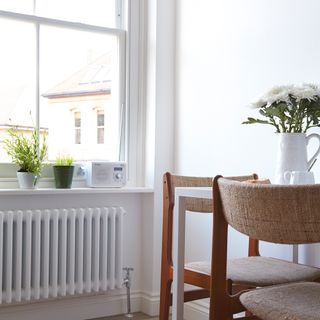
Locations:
{"points": [[81, 114]]}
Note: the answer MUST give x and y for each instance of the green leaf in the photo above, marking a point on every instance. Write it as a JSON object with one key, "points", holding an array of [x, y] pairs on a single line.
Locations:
{"points": [[24, 150], [253, 120]]}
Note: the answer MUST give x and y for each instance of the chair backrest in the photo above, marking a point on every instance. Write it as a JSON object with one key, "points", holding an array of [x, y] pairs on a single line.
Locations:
{"points": [[170, 182], [288, 214]]}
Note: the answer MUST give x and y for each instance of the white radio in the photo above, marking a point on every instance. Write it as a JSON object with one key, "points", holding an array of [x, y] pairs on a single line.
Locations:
{"points": [[106, 174]]}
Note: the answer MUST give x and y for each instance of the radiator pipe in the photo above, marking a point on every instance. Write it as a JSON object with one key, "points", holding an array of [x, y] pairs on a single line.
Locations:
{"points": [[127, 284]]}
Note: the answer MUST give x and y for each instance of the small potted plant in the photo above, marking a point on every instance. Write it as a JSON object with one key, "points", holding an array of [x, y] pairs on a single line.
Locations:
{"points": [[63, 172], [28, 153]]}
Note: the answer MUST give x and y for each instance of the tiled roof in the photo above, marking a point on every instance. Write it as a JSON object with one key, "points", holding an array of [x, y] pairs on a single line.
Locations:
{"points": [[94, 78]]}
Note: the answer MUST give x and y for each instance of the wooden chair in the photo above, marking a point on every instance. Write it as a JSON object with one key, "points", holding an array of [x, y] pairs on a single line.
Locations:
{"points": [[275, 213], [197, 274]]}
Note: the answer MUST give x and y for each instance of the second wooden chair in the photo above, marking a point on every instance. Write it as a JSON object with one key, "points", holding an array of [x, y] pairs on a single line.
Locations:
{"points": [[274, 213], [248, 272]]}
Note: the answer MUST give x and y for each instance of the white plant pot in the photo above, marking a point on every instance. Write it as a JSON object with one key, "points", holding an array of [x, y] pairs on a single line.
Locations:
{"points": [[27, 180], [292, 154]]}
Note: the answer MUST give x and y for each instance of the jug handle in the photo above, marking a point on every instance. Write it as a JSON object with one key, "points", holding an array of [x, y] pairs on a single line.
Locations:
{"points": [[310, 136]]}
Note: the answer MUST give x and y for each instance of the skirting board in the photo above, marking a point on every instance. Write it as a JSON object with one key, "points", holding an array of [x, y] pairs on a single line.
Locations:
{"points": [[74, 308], [150, 304], [198, 310], [95, 306]]}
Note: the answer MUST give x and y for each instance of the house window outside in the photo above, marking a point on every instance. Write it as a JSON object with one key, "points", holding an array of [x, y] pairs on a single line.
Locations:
{"points": [[51, 66], [100, 127], [77, 127]]}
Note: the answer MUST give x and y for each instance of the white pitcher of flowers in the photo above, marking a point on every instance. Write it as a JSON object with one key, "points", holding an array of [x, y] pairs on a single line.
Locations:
{"points": [[292, 110]]}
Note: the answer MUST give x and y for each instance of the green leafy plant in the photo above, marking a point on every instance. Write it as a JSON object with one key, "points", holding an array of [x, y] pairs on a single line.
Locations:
{"points": [[292, 109], [64, 160], [63, 171], [26, 152]]}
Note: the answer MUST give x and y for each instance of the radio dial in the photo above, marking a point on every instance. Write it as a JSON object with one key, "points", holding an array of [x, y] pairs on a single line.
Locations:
{"points": [[118, 176]]}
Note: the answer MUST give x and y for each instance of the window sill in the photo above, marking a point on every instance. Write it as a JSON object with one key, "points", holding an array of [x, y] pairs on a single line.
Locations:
{"points": [[46, 185], [75, 191]]}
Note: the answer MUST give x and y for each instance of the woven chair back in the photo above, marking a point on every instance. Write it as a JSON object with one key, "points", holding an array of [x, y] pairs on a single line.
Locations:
{"points": [[275, 213], [192, 204], [197, 204]]}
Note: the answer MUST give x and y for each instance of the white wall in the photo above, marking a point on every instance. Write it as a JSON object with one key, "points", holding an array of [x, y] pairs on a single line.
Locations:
{"points": [[230, 52]]}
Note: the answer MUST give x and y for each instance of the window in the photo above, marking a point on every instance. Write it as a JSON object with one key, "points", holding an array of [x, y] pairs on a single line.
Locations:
{"points": [[51, 65], [100, 127], [77, 127]]}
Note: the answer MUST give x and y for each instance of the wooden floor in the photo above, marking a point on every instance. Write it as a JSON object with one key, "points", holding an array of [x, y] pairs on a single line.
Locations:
{"points": [[136, 316]]}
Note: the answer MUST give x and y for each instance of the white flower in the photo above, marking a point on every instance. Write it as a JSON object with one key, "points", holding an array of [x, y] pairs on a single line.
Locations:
{"points": [[292, 108], [258, 104], [306, 91], [311, 85], [277, 94]]}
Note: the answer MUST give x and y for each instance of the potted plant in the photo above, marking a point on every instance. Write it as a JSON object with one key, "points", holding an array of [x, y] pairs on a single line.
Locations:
{"points": [[28, 153], [291, 110], [63, 172]]}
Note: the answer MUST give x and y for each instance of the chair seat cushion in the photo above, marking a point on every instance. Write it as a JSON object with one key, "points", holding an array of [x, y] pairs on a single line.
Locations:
{"points": [[295, 301], [261, 271]]}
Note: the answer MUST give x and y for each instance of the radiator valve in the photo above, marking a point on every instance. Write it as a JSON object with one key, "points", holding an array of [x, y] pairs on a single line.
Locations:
{"points": [[127, 284]]}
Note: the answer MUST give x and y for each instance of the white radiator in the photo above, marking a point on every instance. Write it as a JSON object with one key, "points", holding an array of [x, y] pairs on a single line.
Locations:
{"points": [[59, 252]]}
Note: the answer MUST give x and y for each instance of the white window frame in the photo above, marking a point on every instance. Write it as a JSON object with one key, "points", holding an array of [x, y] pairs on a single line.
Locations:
{"points": [[97, 126], [131, 68], [76, 128], [135, 113]]}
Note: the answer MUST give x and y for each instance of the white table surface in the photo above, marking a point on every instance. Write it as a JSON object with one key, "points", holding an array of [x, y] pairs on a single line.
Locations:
{"points": [[179, 244]]}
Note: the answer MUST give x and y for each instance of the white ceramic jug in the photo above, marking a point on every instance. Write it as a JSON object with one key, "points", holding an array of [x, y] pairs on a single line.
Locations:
{"points": [[292, 154]]}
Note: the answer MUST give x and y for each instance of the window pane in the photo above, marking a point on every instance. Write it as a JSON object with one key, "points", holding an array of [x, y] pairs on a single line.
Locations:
{"points": [[100, 135], [17, 78], [77, 119], [78, 71], [100, 118], [97, 12], [77, 137], [20, 6], [77, 129]]}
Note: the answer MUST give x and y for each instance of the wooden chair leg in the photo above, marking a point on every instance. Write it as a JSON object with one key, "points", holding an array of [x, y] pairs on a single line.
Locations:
{"points": [[165, 292]]}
